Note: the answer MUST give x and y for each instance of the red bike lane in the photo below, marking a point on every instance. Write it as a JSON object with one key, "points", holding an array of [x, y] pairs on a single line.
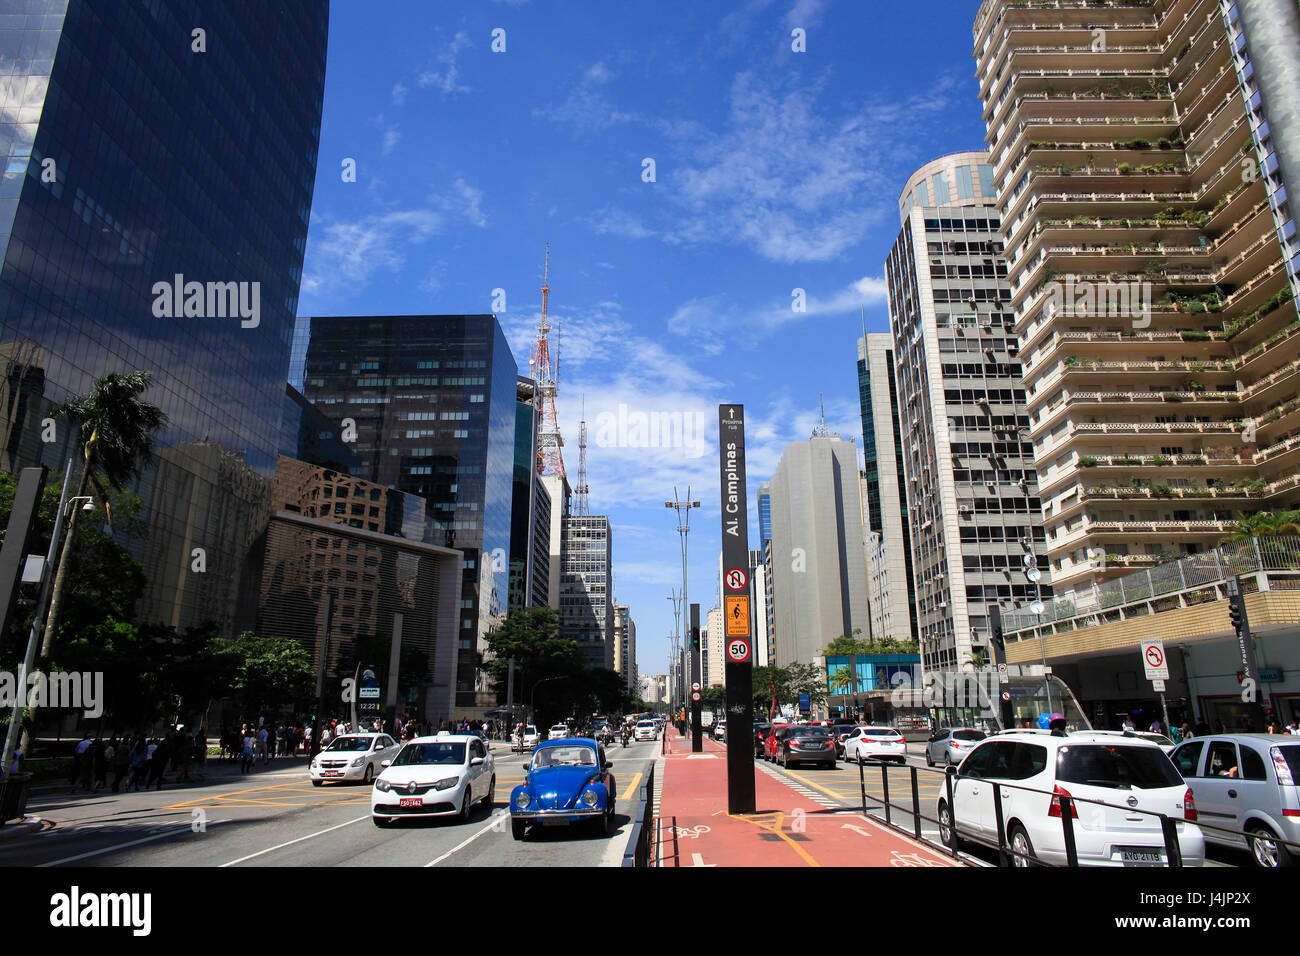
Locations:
{"points": [[788, 829]]}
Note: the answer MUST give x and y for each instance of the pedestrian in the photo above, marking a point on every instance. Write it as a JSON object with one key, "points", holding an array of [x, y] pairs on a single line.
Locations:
{"points": [[185, 746], [78, 758], [247, 752], [99, 763], [158, 765], [262, 736], [1157, 727], [121, 762], [1292, 729], [1128, 724], [139, 763]]}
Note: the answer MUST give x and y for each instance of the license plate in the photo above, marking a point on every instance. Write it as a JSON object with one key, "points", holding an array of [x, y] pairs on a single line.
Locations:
{"points": [[409, 802], [332, 773], [1141, 857], [554, 822]]}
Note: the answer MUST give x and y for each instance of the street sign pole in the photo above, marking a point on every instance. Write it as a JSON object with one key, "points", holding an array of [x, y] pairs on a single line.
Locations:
{"points": [[736, 597], [1000, 662], [1250, 689], [697, 706]]}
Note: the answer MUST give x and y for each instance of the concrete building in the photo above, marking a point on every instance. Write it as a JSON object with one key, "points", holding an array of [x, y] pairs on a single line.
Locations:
{"points": [[586, 599], [758, 601], [625, 647], [819, 579], [530, 514], [653, 688], [764, 547], [1151, 272], [712, 650], [972, 495], [558, 492], [891, 590]]}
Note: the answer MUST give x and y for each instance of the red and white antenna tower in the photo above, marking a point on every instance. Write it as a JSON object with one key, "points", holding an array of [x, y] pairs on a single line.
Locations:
{"points": [[580, 504], [549, 441]]}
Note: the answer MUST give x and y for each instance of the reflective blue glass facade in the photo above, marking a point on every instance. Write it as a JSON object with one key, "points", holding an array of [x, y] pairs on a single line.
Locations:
{"points": [[148, 145]]}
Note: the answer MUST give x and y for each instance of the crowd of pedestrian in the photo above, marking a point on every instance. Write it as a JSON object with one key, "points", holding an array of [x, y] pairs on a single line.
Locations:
{"points": [[138, 761]]}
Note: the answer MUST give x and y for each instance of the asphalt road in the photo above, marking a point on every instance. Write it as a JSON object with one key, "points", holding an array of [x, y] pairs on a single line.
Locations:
{"points": [[275, 817]]}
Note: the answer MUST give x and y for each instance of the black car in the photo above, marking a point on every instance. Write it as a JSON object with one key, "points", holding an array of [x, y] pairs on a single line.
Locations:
{"points": [[760, 734], [806, 745], [840, 731]]}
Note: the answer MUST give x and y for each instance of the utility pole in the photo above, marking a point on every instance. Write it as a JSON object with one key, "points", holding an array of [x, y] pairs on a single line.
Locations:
{"points": [[683, 509]]}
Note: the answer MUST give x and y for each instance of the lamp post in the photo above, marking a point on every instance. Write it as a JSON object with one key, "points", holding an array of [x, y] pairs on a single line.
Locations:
{"points": [[683, 509]]}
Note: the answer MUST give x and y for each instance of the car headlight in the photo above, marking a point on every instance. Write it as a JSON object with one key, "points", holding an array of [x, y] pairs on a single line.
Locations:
{"points": [[589, 797], [446, 784], [359, 761], [522, 800], [382, 785]]}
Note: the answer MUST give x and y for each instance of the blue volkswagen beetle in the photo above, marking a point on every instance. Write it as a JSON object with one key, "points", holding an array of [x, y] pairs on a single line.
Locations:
{"points": [[567, 782]]}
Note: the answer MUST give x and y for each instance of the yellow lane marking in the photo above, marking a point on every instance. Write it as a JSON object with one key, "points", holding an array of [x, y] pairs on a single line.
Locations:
{"points": [[631, 787], [771, 823]]}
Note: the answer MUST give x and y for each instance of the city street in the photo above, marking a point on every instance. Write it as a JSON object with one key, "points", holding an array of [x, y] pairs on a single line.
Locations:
{"points": [[275, 817]]}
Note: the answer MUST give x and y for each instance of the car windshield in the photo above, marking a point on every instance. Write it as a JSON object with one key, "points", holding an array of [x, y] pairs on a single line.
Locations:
{"points": [[968, 734], [414, 755], [565, 757], [646, 723], [810, 732], [349, 743], [1123, 767], [880, 732], [1159, 739]]}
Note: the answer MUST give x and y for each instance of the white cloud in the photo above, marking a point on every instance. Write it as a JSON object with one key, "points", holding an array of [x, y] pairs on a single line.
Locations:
{"points": [[615, 221], [391, 135], [446, 76], [805, 14], [399, 93], [587, 107]]}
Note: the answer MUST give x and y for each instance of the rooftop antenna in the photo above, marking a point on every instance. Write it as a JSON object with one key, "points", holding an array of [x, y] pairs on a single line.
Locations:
{"points": [[549, 440], [820, 431], [581, 505]]}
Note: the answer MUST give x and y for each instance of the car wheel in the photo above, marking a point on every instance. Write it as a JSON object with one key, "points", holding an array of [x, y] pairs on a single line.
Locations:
{"points": [[491, 794], [929, 760], [1021, 844], [518, 827], [945, 827], [1265, 849], [465, 805], [369, 777]]}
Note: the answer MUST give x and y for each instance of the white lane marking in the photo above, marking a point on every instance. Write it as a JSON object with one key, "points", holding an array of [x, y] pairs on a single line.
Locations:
{"points": [[456, 849], [698, 860], [280, 846], [183, 828]]}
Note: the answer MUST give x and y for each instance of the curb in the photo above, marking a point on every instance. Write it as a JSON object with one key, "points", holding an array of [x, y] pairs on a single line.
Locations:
{"points": [[23, 827]]}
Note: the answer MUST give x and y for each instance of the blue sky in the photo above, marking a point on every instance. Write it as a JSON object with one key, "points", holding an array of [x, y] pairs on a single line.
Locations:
{"points": [[774, 170]]}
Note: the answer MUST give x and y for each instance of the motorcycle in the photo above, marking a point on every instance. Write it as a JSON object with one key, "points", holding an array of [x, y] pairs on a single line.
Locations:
{"points": [[625, 740]]}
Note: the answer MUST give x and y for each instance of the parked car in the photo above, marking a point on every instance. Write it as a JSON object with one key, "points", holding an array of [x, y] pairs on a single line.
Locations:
{"points": [[950, 745], [1125, 777], [356, 757], [875, 743], [839, 732], [761, 730], [567, 782], [434, 776], [1247, 784], [806, 745], [720, 731]]}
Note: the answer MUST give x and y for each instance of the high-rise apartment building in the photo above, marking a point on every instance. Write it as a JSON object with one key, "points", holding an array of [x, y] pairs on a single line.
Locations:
{"points": [[625, 647], [586, 592], [153, 215], [758, 600], [530, 514], [1145, 158], [891, 590], [433, 402], [712, 655], [819, 577], [972, 497], [767, 610]]}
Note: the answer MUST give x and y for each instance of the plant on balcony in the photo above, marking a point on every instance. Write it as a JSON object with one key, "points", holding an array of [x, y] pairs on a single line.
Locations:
{"points": [[1173, 397], [1188, 335], [1154, 269], [1126, 460], [1162, 491], [1133, 144], [1256, 487], [1087, 461], [1237, 326], [1124, 169], [1156, 460]]}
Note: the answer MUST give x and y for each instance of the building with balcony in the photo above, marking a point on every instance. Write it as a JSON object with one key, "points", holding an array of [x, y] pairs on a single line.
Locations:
{"points": [[586, 587], [625, 647], [973, 511], [1140, 159]]}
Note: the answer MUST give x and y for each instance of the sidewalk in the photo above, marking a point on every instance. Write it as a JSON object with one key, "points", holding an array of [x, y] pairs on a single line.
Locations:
{"points": [[788, 830]]}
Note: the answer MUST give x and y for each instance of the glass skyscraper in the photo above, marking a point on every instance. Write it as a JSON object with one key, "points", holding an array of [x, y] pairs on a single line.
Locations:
{"points": [[159, 162], [433, 401]]}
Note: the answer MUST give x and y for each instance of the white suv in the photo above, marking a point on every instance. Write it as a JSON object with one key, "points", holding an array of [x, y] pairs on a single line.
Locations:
{"points": [[646, 730], [1126, 775]]}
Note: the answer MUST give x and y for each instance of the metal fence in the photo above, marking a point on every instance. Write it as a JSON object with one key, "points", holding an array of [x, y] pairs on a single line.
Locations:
{"points": [[641, 840], [1192, 580], [955, 836]]}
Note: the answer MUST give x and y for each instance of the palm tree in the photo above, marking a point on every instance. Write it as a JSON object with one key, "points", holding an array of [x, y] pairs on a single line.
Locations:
{"points": [[115, 435], [840, 680]]}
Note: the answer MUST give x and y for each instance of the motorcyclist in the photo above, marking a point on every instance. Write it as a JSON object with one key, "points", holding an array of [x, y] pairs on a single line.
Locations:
{"points": [[625, 735]]}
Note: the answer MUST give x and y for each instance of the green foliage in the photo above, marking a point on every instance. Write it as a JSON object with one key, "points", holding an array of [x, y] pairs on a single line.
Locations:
{"points": [[266, 671]]}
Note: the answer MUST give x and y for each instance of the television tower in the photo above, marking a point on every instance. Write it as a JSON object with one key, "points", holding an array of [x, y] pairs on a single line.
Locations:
{"points": [[549, 440], [580, 505]]}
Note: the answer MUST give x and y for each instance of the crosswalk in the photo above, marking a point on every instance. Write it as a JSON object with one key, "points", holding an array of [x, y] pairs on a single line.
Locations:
{"points": [[823, 801]]}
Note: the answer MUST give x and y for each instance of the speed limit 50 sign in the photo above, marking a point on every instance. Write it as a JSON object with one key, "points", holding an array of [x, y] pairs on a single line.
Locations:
{"points": [[738, 650]]}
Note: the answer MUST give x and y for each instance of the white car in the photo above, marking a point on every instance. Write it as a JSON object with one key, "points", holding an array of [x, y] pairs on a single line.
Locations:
{"points": [[434, 776], [719, 731], [645, 730], [558, 732], [1160, 740], [529, 741], [352, 757], [1129, 781], [875, 743]]}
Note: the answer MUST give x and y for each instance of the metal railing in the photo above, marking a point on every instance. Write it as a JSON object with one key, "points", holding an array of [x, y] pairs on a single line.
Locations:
{"points": [[1006, 854], [641, 841]]}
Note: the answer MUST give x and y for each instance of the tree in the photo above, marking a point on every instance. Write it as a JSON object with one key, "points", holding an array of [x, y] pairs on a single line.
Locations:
{"points": [[848, 646], [267, 671], [115, 437], [1266, 523], [531, 637]]}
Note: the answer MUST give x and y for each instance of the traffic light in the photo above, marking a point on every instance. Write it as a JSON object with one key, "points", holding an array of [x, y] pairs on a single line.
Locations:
{"points": [[995, 627], [1237, 612], [695, 638]]}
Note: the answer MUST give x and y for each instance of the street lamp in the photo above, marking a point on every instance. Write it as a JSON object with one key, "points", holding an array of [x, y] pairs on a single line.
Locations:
{"points": [[683, 509]]}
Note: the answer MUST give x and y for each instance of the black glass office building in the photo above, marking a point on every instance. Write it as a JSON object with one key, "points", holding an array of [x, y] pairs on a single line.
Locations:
{"points": [[159, 162], [433, 402]]}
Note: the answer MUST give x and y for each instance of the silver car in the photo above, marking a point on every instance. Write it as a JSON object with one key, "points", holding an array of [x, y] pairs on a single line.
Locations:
{"points": [[1246, 784], [950, 745]]}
